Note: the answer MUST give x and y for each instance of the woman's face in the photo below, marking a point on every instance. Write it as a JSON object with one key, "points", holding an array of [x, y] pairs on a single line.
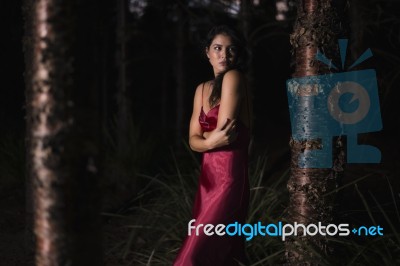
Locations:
{"points": [[221, 53]]}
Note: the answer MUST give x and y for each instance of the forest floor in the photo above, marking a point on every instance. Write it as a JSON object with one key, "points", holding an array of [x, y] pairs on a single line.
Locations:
{"points": [[13, 250]]}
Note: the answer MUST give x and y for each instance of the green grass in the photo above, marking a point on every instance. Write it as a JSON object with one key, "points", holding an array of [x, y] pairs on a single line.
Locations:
{"points": [[153, 227], [158, 225], [120, 167]]}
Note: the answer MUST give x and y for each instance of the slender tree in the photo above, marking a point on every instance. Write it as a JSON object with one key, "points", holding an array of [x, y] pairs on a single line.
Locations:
{"points": [[62, 167], [180, 69], [124, 110], [246, 11], [314, 29], [245, 14], [357, 27]]}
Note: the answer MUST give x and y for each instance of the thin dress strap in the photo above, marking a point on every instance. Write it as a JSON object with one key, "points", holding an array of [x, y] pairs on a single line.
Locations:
{"points": [[202, 90]]}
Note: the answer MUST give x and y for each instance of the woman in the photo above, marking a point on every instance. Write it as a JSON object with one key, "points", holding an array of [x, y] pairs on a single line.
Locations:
{"points": [[219, 128]]}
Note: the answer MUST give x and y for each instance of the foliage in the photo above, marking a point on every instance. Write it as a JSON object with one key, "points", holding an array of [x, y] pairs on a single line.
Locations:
{"points": [[121, 168], [151, 230]]}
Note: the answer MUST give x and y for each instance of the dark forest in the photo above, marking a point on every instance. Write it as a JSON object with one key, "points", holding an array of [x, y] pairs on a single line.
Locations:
{"points": [[95, 165]]}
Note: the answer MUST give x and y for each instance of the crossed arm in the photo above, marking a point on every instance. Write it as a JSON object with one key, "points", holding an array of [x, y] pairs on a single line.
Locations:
{"points": [[224, 133]]}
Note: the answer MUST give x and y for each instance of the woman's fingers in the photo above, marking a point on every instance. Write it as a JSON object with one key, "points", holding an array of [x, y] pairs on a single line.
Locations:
{"points": [[232, 136], [227, 123], [230, 131], [227, 134]]}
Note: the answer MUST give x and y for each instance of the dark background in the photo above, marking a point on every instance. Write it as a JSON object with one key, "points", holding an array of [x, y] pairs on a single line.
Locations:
{"points": [[151, 63], [151, 60]]}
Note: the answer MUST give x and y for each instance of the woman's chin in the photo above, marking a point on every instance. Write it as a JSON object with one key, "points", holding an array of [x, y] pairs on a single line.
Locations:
{"points": [[221, 70]]}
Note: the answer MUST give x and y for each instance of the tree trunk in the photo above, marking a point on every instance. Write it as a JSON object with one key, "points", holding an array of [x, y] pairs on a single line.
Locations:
{"points": [[245, 13], [180, 74], [61, 152], [123, 103], [314, 28], [356, 28]]}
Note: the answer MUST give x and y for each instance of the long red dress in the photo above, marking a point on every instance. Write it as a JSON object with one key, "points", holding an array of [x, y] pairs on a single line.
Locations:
{"points": [[222, 198]]}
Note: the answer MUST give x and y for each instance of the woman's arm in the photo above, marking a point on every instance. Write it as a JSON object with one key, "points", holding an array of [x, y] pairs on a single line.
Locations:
{"points": [[231, 94], [221, 135]]}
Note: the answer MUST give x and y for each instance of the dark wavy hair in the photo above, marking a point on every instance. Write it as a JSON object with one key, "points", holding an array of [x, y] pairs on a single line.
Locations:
{"points": [[241, 57]]}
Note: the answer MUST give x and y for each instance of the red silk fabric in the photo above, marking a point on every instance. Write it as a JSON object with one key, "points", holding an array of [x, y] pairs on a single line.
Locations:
{"points": [[222, 198]]}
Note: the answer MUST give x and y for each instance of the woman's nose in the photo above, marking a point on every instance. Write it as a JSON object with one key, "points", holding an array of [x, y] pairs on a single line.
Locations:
{"points": [[226, 54], [223, 53]]}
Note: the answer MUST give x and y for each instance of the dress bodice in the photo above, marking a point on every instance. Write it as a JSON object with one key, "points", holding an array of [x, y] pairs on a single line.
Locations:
{"points": [[208, 122], [222, 198]]}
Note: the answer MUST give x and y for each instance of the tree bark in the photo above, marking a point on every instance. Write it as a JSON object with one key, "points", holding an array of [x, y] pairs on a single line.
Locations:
{"points": [[62, 149], [314, 28]]}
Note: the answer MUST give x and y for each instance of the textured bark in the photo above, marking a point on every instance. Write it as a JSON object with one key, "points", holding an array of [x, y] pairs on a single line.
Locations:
{"points": [[314, 28], [62, 169], [49, 126]]}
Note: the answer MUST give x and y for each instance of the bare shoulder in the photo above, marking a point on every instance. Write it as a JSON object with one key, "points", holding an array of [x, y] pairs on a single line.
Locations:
{"points": [[233, 79], [234, 73], [202, 85], [199, 91], [234, 76]]}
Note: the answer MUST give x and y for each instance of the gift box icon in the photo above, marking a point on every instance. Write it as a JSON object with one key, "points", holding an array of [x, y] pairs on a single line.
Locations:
{"points": [[337, 104]]}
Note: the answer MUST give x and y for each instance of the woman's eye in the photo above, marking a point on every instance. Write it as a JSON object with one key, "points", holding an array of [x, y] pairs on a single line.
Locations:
{"points": [[217, 48], [232, 49]]}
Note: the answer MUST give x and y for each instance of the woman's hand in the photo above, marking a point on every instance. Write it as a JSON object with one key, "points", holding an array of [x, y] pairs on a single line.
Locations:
{"points": [[206, 134], [221, 136]]}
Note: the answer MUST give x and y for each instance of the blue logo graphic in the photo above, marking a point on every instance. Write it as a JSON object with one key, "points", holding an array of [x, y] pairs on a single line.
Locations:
{"points": [[344, 103], [368, 231]]}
